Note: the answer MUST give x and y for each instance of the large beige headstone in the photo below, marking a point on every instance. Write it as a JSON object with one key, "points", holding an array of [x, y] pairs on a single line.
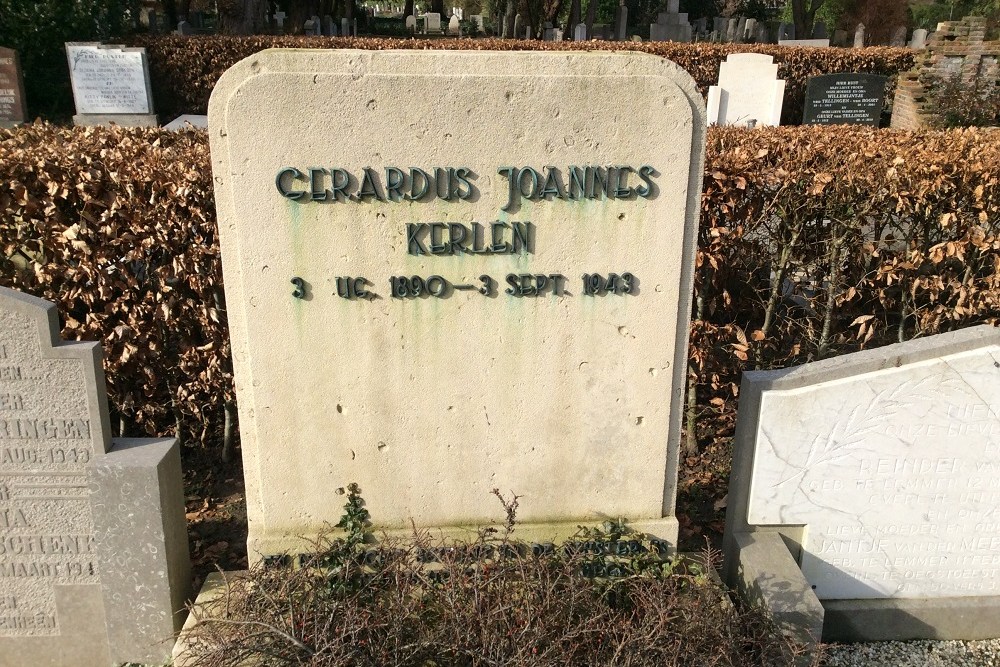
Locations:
{"points": [[495, 367]]}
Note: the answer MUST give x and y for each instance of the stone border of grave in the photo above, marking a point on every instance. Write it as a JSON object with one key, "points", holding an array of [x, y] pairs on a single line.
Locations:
{"points": [[762, 562]]}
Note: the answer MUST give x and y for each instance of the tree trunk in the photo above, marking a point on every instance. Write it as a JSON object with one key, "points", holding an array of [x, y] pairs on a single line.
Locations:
{"points": [[508, 21], [574, 17], [243, 17], [408, 9], [803, 15], [591, 17], [437, 6]]}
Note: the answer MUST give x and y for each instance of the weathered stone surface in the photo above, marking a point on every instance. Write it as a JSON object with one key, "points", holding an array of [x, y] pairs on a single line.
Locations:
{"points": [[883, 465], [569, 400], [749, 91], [142, 547], [79, 523], [769, 576]]}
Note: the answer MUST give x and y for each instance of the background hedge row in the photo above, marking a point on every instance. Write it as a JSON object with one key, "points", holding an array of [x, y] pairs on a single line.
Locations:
{"points": [[185, 69], [814, 241]]}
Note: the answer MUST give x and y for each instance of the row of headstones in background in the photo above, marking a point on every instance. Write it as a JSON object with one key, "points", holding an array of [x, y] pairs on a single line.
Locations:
{"points": [[750, 93], [327, 26], [13, 108], [864, 493], [93, 540]]}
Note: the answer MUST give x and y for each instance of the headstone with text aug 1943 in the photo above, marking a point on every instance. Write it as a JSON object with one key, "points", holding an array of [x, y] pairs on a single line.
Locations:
{"points": [[94, 564], [434, 314], [846, 98]]}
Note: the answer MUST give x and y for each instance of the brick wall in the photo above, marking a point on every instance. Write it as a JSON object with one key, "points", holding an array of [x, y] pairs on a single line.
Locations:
{"points": [[957, 47]]}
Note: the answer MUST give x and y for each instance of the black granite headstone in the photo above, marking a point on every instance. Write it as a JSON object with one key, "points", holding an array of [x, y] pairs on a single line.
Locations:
{"points": [[847, 98]]}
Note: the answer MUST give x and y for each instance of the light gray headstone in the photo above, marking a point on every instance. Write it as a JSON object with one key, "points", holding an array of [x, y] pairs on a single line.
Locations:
{"points": [[859, 36], [109, 79], [345, 27], [433, 20], [518, 26], [453, 25], [279, 19], [411, 23], [883, 465], [732, 27], [184, 28], [719, 24], [580, 32], [749, 91], [919, 39], [673, 6], [93, 543], [187, 121], [741, 28]]}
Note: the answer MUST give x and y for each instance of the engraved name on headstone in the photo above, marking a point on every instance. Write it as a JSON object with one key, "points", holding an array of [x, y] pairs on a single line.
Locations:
{"points": [[13, 109], [93, 549], [845, 98], [509, 308]]}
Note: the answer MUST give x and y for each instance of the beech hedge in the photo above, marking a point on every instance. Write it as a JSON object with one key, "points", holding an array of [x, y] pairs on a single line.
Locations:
{"points": [[183, 70], [814, 241]]}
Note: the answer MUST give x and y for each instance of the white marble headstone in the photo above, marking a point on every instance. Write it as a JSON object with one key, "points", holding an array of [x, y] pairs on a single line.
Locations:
{"points": [[749, 90], [109, 79], [894, 473]]}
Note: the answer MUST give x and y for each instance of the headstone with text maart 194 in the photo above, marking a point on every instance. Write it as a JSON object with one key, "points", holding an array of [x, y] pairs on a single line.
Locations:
{"points": [[94, 565]]}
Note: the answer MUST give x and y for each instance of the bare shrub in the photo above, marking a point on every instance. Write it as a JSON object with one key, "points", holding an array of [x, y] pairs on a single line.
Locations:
{"points": [[495, 601]]}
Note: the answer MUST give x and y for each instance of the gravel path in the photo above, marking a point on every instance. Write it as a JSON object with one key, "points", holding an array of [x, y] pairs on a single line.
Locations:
{"points": [[915, 654]]}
